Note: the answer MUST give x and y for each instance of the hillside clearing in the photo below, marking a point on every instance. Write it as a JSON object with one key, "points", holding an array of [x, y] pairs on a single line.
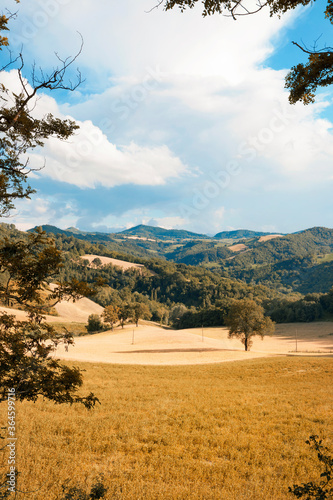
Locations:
{"points": [[270, 237], [68, 311], [115, 262], [239, 247]]}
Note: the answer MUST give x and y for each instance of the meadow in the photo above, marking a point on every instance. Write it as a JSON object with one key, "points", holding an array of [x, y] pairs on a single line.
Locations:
{"points": [[217, 431]]}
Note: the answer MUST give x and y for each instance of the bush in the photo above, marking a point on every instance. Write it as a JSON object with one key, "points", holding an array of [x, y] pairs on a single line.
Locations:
{"points": [[94, 323]]}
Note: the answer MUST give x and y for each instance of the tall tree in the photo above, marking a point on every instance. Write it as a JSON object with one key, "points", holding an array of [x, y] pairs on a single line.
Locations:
{"points": [[304, 78], [140, 310], [246, 319], [111, 315], [125, 312], [28, 265]]}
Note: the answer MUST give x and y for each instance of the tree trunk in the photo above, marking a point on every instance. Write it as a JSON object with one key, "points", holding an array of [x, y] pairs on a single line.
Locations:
{"points": [[245, 343]]}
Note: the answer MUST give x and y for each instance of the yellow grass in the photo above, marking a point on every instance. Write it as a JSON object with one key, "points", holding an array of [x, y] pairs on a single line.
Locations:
{"points": [[226, 431]]}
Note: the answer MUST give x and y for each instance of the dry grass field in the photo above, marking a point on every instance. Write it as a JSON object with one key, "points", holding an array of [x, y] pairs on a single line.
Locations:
{"points": [[239, 247], [154, 345], [67, 311], [270, 237], [228, 431], [115, 262], [206, 429]]}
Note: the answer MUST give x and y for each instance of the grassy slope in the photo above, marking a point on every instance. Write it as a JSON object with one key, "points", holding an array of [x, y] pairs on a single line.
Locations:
{"points": [[233, 431]]}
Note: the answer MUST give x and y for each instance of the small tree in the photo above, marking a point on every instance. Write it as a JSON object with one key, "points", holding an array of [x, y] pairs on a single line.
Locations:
{"points": [[98, 490], [94, 323], [141, 310], [110, 315], [245, 319], [125, 312], [97, 262]]}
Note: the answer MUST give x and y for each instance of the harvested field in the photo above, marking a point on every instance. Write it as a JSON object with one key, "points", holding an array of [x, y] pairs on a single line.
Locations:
{"points": [[115, 262], [228, 431], [270, 237], [154, 345], [237, 248]]}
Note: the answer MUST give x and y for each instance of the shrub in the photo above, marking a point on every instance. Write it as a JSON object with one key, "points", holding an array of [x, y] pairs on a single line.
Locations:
{"points": [[94, 323]]}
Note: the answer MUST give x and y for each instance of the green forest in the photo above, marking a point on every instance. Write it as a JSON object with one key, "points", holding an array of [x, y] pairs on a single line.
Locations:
{"points": [[290, 276]]}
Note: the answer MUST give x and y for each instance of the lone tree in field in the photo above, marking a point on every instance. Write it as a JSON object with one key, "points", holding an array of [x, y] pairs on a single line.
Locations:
{"points": [[125, 312], [246, 319]]}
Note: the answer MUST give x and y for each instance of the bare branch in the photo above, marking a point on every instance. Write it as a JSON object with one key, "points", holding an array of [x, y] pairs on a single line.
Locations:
{"points": [[155, 7]]}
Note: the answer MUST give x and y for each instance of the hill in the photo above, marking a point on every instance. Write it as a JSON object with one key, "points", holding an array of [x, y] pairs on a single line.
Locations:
{"points": [[299, 261], [160, 233], [239, 234]]}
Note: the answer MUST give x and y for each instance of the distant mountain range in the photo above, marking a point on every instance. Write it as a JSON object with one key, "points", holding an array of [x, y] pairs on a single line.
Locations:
{"points": [[301, 261], [158, 233]]}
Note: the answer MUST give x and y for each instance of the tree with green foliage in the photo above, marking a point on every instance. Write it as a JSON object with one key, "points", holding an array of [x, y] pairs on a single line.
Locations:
{"points": [[140, 311], [27, 265], [94, 323], [246, 319], [303, 79], [125, 312], [20, 130]]}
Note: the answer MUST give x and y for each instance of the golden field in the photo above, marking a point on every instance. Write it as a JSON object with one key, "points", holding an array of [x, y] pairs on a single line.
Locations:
{"points": [[215, 431]]}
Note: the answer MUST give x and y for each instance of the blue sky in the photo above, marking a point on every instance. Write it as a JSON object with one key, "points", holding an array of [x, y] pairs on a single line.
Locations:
{"points": [[184, 121]]}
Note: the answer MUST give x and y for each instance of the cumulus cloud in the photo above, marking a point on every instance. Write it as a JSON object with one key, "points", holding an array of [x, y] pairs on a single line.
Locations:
{"points": [[158, 114], [89, 159]]}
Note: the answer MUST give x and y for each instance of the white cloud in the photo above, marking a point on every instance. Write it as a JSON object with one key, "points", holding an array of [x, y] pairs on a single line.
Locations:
{"points": [[88, 159], [39, 211], [168, 222]]}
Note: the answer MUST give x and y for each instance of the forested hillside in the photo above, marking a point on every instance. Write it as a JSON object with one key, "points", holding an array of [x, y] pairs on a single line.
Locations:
{"points": [[300, 262], [296, 262], [194, 282], [160, 233]]}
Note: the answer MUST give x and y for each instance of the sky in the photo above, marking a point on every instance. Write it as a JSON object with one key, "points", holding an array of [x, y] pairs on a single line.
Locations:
{"points": [[184, 120]]}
